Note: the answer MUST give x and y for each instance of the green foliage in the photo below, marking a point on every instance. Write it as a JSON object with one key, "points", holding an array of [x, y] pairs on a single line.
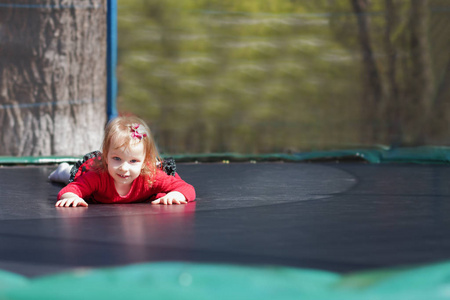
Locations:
{"points": [[259, 76]]}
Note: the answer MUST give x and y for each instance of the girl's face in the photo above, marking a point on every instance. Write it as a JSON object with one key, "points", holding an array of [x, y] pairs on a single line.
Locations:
{"points": [[125, 164]]}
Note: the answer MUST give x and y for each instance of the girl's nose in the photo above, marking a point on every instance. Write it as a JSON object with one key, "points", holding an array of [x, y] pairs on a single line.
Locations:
{"points": [[124, 166]]}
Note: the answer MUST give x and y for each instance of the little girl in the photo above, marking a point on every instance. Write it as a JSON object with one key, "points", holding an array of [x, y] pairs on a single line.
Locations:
{"points": [[128, 170]]}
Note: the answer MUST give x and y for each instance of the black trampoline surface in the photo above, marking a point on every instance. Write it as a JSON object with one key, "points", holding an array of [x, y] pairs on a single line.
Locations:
{"points": [[338, 217]]}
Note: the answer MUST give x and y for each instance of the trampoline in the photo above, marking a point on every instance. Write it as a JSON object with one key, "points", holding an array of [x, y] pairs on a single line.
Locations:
{"points": [[261, 106], [340, 217]]}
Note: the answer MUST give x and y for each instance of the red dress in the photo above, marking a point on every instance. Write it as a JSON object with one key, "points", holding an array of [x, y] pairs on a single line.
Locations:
{"points": [[98, 187]]}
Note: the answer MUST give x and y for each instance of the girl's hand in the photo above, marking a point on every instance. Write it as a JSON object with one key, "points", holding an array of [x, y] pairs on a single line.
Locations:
{"points": [[70, 199], [171, 198]]}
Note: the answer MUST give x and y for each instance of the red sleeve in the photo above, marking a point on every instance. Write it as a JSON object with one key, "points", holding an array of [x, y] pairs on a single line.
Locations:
{"points": [[83, 186], [166, 183]]}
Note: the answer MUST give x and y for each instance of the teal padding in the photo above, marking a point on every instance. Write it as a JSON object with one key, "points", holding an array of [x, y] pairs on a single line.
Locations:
{"points": [[417, 154], [36, 160], [425, 282], [235, 157], [172, 280], [368, 155], [380, 154], [10, 280], [178, 281], [425, 154]]}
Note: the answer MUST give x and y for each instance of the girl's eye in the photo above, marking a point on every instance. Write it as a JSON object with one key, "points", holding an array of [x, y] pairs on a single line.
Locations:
{"points": [[133, 161], [116, 158]]}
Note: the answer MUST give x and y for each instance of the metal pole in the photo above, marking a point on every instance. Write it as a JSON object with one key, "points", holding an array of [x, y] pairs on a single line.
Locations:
{"points": [[111, 59]]}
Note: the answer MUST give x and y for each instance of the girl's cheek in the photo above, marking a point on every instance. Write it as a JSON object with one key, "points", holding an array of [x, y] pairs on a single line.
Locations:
{"points": [[137, 168], [114, 165]]}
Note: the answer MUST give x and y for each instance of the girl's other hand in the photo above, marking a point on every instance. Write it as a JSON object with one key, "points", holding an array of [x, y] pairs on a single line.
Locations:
{"points": [[171, 198], [71, 201]]}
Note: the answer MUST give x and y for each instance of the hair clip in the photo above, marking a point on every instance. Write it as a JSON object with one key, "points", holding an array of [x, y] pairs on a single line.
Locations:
{"points": [[137, 131]]}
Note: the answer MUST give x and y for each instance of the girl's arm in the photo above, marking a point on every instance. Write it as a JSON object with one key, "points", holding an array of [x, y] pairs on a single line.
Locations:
{"points": [[70, 199], [73, 193], [172, 190]]}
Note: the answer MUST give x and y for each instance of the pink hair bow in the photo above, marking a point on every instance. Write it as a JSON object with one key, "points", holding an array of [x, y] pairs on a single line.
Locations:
{"points": [[137, 131]]}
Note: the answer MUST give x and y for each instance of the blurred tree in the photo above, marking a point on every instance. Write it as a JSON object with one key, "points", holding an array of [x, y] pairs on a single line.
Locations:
{"points": [[421, 83], [371, 99], [272, 76], [393, 105]]}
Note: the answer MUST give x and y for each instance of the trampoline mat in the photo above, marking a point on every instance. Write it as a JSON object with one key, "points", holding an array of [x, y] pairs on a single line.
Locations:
{"points": [[336, 217]]}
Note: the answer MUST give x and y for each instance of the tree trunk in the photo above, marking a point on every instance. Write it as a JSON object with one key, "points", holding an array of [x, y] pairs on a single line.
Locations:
{"points": [[393, 105], [422, 73], [372, 82], [52, 76]]}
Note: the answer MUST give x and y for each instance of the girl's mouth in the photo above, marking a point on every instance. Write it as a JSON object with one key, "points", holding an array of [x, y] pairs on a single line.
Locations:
{"points": [[123, 176]]}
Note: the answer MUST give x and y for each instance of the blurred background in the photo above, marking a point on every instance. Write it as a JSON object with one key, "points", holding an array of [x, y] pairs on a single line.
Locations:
{"points": [[227, 76], [266, 76]]}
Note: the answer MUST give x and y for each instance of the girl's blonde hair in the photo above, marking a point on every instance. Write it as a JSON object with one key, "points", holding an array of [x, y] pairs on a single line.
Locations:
{"points": [[120, 132]]}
